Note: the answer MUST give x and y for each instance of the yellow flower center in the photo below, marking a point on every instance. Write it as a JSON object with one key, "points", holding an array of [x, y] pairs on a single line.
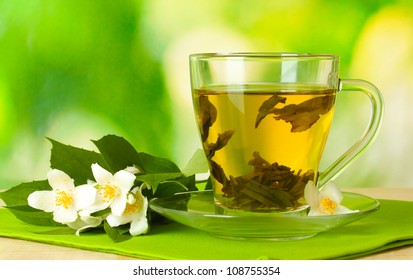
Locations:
{"points": [[63, 199], [108, 191], [328, 205], [133, 205], [131, 208]]}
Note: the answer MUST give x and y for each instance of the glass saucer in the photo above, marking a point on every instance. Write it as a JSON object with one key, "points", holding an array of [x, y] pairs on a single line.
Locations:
{"points": [[197, 210]]}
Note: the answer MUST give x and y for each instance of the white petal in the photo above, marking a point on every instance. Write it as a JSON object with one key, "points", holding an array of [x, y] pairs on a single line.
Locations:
{"points": [[84, 196], [132, 169], [76, 224], [143, 200], [60, 180], [118, 205], [115, 221], [124, 180], [102, 176], [83, 223], [90, 182], [64, 216], [98, 205], [43, 200], [140, 223], [331, 191], [88, 226], [316, 212], [92, 220], [139, 226], [95, 207], [130, 198], [311, 194], [145, 204], [343, 210]]}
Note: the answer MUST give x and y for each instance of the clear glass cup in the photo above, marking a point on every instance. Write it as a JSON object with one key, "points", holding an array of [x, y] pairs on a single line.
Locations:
{"points": [[264, 119]]}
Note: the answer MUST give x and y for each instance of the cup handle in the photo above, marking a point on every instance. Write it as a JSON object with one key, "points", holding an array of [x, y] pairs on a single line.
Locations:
{"points": [[369, 134]]}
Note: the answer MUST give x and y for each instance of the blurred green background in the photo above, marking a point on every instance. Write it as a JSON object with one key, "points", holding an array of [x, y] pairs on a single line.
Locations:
{"points": [[77, 70]]}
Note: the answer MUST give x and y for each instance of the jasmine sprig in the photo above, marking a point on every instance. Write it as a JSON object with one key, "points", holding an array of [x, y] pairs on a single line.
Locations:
{"points": [[120, 180]]}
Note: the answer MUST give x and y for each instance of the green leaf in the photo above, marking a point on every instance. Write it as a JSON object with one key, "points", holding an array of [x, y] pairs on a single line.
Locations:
{"points": [[154, 179], [189, 182], [16, 201], [118, 153], [75, 162], [33, 216], [167, 189], [18, 195], [117, 234], [208, 185], [153, 164], [197, 164]]}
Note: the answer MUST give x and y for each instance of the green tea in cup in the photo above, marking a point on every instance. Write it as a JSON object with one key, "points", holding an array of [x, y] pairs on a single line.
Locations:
{"points": [[264, 119]]}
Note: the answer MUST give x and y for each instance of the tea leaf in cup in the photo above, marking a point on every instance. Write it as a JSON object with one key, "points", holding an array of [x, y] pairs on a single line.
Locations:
{"points": [[268, 108], [269, 186], [208, 115], [221, 142], [219, 174], [302, 116]]}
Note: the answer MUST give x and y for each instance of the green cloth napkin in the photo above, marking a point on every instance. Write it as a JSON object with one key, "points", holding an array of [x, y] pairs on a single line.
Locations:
{"points": [[389, 227]]}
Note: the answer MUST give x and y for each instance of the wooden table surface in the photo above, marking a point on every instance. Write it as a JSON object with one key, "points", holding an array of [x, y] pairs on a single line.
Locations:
{"points": [[14, 249]]}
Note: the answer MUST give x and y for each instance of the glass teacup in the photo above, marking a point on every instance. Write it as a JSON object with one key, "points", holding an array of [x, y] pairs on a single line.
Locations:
{"points": [[264, 119]]}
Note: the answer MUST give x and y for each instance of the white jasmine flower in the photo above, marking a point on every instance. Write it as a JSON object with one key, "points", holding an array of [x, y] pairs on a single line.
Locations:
{"points": [[112, 190], [64, 200], [326, 201], [135, 213]]}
